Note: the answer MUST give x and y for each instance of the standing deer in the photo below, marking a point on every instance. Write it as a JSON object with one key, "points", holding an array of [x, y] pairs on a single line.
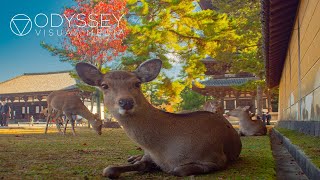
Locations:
{"points": [[179, 144], [68, 103], [247, 126]]}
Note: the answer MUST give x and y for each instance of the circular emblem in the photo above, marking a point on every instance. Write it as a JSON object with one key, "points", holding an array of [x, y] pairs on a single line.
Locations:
{"points": [[20, 24]]}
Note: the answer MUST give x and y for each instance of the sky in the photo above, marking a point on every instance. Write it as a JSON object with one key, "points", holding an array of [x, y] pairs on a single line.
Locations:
{"points": [[23, 54]]}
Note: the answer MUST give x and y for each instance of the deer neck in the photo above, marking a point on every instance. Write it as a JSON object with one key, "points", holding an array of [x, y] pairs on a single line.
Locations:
{"points": [[85, 113], [245, 119]]}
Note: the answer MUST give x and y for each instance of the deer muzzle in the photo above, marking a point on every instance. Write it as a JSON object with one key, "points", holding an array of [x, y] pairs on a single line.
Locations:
{"points": [[126, 104]]}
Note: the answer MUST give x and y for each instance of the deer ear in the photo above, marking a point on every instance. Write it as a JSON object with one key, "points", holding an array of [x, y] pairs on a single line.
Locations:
{"points": [[89, 74], [149, 70]]}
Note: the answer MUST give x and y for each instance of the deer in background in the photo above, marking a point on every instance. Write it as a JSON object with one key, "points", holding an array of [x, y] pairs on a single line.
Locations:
{"points": [[179, 144], [68, 103], [247, 126]]}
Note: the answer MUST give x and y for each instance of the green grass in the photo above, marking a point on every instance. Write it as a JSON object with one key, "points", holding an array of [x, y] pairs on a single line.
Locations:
{"points": [[53, 156], [310, 145]]}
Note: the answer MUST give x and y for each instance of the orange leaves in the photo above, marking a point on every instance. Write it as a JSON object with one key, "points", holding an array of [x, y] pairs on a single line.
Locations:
{"points": [[96, 30]]}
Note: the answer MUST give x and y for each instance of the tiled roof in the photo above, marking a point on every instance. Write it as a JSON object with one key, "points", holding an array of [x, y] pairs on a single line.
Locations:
{"points": [[37, 82], [227, 81]]}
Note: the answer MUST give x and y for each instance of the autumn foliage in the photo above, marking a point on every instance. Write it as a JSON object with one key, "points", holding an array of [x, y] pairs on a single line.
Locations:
{"points": [[95, 31]]}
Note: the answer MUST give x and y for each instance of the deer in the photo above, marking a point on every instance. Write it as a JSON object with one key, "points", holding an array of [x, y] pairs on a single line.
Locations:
{"points": [[179, 144], [68, 103], [247, 126]]}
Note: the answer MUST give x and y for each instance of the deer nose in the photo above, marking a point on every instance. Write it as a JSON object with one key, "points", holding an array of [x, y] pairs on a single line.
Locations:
{"points": [[126, 104]]}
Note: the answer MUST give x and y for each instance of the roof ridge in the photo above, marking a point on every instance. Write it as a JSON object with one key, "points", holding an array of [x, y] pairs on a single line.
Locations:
{"points": [[50, 72], [38, 73], [11, 79]]}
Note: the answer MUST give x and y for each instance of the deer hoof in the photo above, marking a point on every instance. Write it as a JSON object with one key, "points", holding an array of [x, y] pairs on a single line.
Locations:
{"points": [[111, 172]]}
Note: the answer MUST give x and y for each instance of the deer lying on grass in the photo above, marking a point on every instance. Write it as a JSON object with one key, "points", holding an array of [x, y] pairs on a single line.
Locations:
{"points": [[179, 144], [247, 126], [69, 104]]}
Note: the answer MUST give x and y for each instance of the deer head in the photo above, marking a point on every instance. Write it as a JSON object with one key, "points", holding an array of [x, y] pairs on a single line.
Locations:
{"points": [[239, 112], [121, 89]]}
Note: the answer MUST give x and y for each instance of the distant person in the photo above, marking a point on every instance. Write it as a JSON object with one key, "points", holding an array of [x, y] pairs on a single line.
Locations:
{"points": [[31, 120], [1, 121], [264, 117], [5, 113], [268, 116]]}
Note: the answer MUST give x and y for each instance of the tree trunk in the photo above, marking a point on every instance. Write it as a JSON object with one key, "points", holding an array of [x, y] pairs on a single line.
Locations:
{"points": [[259, 100]]}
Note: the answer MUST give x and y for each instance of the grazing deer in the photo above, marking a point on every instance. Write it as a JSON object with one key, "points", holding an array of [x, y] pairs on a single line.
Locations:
{"points": [[179, 144], [69, 104], [247, 126]]}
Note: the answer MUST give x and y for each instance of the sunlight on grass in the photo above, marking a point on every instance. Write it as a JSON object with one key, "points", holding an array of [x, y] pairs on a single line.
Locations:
{"points": [[23, 130], [26, 155], [309, 144]]}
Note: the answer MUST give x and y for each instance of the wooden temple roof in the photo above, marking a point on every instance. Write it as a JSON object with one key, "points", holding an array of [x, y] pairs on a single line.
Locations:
{"points": [[278, 17], [38, 82]]}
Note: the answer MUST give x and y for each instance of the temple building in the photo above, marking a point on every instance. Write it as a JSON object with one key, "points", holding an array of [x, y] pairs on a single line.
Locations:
{"points": [[26, 94], [221, 85]]}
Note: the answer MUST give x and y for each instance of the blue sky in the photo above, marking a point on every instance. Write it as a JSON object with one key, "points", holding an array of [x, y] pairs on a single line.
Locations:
{"points": [[24, 54]]}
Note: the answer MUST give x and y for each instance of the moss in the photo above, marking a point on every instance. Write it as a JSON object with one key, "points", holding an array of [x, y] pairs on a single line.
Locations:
{"points": [[37, 156], [310, 145]]}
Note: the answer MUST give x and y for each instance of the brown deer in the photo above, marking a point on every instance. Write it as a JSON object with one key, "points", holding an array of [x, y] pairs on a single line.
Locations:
{"points": [[247, 126], [68, 103], [179, 144]]}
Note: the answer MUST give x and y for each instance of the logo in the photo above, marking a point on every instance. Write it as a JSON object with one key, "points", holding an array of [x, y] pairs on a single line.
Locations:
{"points": [[20, 24]]}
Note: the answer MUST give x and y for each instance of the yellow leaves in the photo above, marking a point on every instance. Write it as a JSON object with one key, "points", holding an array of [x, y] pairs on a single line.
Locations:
{"points": [[199, 85], [130, 2], [145, 7]]}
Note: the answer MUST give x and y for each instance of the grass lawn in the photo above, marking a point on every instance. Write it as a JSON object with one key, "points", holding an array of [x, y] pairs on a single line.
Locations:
{"points": [[310, 145], [27, 155]]}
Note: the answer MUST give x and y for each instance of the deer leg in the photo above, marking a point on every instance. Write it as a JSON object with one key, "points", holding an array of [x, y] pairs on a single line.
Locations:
{"points": [[65, 126], [146, 164], [134, 159], [196, 168], [56, 117], [47, 123], [72, 126], [113, 172]]}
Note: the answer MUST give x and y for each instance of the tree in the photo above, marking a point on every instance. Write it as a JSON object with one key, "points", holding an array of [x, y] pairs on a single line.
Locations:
{"points": [[95, 31], [191, 100], [164, 28], [246, 14]]}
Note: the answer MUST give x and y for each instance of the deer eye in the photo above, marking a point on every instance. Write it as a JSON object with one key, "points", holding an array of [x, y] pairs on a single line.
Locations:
{"points": [[104, 86], [137, 84]]}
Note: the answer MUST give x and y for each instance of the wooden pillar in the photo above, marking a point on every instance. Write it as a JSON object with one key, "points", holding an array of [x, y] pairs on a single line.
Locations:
{"points": [[253, 102], [11, 98], [39, 104], [237, 94], [222, 95], [25, 98]]}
